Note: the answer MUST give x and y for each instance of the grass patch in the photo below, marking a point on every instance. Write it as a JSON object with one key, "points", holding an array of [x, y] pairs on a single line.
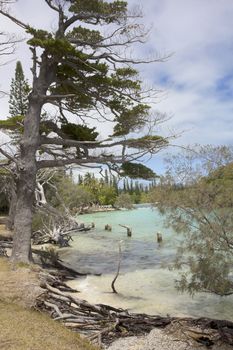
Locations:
{"points": [[19, 284], [23, 329]]}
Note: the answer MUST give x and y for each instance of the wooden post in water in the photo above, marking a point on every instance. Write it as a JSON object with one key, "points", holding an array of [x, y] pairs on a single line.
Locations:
{"points": [[129, 230], [159, 237], [118, 269]]}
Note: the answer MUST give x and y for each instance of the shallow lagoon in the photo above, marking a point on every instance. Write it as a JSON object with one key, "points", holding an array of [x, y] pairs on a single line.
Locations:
{"points": [[143, 285]]}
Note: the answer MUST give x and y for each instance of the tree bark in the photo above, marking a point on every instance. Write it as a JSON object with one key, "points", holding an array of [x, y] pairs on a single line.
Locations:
{"points": [[27, 167], [26, 184], [12, 209]]}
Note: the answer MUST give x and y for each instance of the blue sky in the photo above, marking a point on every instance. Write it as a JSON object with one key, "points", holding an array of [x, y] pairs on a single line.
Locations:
{"points": [[197, 79]]}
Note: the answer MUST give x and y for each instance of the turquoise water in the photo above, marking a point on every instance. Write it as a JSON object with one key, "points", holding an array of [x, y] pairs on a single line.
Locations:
{"points": [[143, 285]]}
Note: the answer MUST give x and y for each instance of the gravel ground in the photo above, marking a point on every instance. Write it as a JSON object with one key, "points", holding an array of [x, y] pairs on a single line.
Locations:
{"points": [[160, 340]]}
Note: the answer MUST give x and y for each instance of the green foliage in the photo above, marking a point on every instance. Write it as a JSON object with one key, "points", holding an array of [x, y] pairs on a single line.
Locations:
{"points": [[126, 72], [107, 195], [82, 73], [5, 189], [107, 12], [106, 190], [85, 35], [20, 89], [18, 104], [136, 170], [53, 45], [124, 200], [129, 119], [221, 175], [14, 123], [147, 142], [208, 273], [145, 198], [124, 79], [102, 193], [201, 210], [72, 195], [136, 197], [93, 81], [79, 132]]}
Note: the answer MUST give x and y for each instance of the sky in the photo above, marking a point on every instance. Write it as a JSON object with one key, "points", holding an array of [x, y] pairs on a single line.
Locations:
{"points": [[196, 80]]}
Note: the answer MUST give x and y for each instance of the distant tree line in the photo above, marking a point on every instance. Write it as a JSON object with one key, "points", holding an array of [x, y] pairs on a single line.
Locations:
{"points": [[108, 187]]}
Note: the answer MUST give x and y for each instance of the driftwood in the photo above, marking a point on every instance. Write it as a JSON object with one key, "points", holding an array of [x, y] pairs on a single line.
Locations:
{"points": [[57, 225], [59, 233], [49, 259], [103, 324], [3, 251], [118, 269], [5, 243]]}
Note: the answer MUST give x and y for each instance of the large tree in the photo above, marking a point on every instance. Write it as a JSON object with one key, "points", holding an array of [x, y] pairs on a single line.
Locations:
{"points": [[86, 74]]}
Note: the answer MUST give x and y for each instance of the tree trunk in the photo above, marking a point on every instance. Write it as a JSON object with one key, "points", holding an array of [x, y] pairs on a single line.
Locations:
{"points": [[27, 167], [26, 183], [12, 209]]}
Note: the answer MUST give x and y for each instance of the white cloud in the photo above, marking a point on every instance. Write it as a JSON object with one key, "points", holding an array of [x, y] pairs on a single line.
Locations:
{"points": [[200, 34]]}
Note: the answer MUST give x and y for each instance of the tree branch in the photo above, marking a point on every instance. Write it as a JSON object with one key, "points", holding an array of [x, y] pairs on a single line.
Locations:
{"points": [[53, 7], [67, 142], [15, 20], [7, 155], [91, 160]]}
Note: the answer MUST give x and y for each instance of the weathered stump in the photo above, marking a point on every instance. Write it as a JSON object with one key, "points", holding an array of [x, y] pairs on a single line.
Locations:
{"points": [[128, 230], [108, 227], [159, 237]]}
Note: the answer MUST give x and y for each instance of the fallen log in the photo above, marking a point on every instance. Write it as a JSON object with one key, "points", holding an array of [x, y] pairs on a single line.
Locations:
{"points": [[6, 244], [50, 259]]}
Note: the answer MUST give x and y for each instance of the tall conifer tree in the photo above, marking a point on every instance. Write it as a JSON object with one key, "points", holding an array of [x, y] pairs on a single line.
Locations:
{"points": [[18, 102]]}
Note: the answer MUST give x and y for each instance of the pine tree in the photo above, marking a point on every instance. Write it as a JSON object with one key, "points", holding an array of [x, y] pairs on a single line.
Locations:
{"points": [[115, 184], [124, 185], [106, 178], [18, 102], [131, 186]]}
